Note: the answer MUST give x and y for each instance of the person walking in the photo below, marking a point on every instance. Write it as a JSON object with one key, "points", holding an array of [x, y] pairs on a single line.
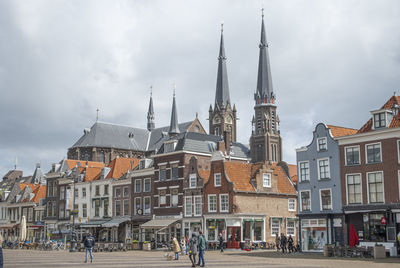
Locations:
{"points": [[193, 249], [221, 242], [176, 247], [183, 245], [202, 248], [277, 241], [283, 242], [290, 244], [187, 244], [89, 244]]}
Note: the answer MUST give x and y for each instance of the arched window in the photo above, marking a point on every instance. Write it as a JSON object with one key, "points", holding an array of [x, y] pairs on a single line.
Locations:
{"points": [[102, 158]]}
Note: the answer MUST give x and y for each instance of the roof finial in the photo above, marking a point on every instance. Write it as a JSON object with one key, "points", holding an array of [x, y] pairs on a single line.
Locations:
{"points": [[174, 88], [97, 114], [262, 11], [15, 162], [151, 91], [222, 26], [394, 93]]}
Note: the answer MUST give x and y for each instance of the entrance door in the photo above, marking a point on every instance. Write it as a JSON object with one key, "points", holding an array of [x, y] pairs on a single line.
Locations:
{"points": [[233, 237]]}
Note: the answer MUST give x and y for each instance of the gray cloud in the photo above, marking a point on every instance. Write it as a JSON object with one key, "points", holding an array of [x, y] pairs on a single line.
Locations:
{"points": [[332, 61]]}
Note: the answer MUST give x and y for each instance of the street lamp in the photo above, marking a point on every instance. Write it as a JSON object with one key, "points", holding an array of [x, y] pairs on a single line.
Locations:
{"points": [[73, 213]]}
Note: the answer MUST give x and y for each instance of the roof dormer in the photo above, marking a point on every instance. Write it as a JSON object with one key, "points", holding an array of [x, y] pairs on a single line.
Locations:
{"points": [[381, 118]]}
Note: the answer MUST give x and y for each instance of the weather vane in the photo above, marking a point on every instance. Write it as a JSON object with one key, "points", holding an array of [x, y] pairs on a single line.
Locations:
{"points": [[222, 26], [174, 88], [151, 91], [97, 114]]}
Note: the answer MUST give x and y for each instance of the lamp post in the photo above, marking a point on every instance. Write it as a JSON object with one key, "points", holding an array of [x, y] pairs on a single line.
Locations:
{"points": [[73, 212]]}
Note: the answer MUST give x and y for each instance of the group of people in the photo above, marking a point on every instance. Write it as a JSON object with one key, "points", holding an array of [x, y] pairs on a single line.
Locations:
{"points": [[192, 246], [285, 243]]}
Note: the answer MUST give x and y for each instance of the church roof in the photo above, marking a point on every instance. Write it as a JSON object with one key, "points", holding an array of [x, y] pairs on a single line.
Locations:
{"points": [[222, 89]]}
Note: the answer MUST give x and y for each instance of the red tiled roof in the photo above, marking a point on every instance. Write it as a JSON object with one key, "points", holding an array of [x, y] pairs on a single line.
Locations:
{"points": [[388, 105], [91, 173], [205, 174], [284, 185], [119, 166], [239, 173], [73, 163], [293, 172], [40, 193], [341, 131]]}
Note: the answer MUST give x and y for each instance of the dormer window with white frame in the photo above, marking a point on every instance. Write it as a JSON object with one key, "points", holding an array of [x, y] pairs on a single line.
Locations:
{"points": [[217, 179], [169, 146], [322, 144], [267, 180], [379, 120]]}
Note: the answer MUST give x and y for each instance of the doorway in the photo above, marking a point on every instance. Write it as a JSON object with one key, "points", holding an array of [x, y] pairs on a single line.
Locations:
{"points": [[233, 236]]}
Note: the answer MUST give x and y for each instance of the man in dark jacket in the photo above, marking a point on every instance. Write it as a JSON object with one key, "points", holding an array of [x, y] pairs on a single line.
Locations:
{"points": [[89, 244], [283, 242], [290, 244], [221, 242], [202, 248]]}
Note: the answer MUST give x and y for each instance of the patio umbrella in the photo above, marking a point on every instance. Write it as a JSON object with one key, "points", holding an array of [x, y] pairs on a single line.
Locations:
{"points": [[23, 229], [353, 237]]}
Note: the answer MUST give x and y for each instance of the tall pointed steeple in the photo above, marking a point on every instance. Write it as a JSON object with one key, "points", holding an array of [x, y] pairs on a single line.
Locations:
{"points": [[173, 126], [222, 90], [150, 114], [264, 93]]}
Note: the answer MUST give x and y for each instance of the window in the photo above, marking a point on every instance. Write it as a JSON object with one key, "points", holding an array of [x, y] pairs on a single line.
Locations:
{"points": [[275, 227], [258, 227], [147, 205], [326, 199], [174, 172], [174, 197], [138, 186], [212, 203], [137, 206], [163, 174], [102, 158], [106, 189], [304, 171], [290, 227], [97, 208], [224, 203], [305, 200], [354, 189], [118, 208], [126, 191], [61, 212], [266, 180], [217, 179], [192, 180], [169, 146], [162, 199], [146, 185], [322, 144], [76, 193], [323, 169], [62, 193], [118, 192], [50, 189], [373, 153], [352, 155], [84, 210], [273, 152], [126, 207], [375, 187], [379, 120], [188, 206], [84, 192], [105, 207], [197, 205], [86, 158], [292, 204], [97, 190]]}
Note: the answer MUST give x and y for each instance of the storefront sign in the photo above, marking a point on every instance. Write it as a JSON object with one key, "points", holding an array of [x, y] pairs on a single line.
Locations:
{"points": [[383, 220], [337, 222], [365, 217], [233, 223]]}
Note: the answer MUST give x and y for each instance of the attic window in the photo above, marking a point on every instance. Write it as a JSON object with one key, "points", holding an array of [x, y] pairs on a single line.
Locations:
{"points": [[266, 180], [169, 146], [379, 120]]}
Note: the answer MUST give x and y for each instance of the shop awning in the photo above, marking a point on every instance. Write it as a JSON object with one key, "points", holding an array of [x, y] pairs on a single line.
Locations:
{"points": [[158, 223], [115, 222], [8, 226], [93, 224]]}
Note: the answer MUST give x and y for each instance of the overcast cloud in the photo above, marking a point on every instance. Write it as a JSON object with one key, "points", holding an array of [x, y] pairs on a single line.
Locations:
{"points": [[332, 61]]}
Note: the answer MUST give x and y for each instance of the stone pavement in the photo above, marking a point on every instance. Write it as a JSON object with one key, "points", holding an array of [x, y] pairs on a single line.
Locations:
{"points": [[43, 259]]}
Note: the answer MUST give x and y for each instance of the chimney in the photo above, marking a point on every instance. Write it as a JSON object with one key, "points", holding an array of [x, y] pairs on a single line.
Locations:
{"points": [[221, 146], [227, 141]]}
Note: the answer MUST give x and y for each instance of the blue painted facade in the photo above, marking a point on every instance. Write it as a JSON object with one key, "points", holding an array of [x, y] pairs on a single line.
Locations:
{"points": [[318, 164]]}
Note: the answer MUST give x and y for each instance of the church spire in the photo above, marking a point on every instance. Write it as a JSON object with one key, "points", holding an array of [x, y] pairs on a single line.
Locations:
{"points": [[222, 89], [150, 113], [264, 92], [174, 127]]}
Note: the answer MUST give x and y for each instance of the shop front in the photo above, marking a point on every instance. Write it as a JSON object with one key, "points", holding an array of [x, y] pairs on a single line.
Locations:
{"points": [[118, 230], [314, 234], [192, 226], [159, 231]]}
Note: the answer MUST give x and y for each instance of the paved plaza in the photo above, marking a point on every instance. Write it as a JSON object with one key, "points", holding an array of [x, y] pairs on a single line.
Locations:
{"points": [[33, 258]]}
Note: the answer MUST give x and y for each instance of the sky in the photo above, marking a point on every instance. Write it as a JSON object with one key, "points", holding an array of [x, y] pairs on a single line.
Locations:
{"points": [[331, 62]]}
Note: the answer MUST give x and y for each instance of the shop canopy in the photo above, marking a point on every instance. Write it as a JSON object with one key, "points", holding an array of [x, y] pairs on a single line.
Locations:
{"points": [[90, 224], [115, 222], [158, 223], [8, 226]]}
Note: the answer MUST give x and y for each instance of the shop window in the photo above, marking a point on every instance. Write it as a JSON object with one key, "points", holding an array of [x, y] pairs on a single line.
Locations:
{"points": [[326, 199], [247, 230], [352, 155], [174, 172], [323, 169], [314, 234], [192, 180], [197, 205], [258, 227], [126, 207], [304, 171], [275, 227], [305, 201], [188, 206], [373, 153], [118, 208], [375, 187], [292, 204], [266, 180], [163, 174], [211, 226], [147, 185], [376, 231], [322, 144], [353, 188], [290, 227], [147, 205], [212, 203]]}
